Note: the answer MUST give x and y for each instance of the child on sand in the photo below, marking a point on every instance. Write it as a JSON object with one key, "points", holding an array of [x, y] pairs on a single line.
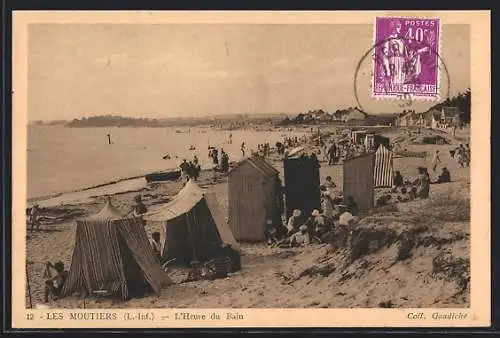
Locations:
{"points": [[54, 285]]}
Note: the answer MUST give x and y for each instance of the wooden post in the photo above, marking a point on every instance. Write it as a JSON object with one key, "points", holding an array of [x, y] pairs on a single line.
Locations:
{"points": [[28, 284], [109, 138]]}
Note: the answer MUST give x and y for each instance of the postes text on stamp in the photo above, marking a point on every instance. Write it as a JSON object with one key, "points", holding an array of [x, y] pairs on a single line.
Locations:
{"points": [[406, 58]]}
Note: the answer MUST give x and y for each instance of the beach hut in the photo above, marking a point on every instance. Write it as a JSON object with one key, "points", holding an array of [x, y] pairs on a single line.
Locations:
{"points": [[383, 168], [302, 185], [112, 255], [254, 191], [192, 226], [358, 180], [364, 173], [373, 141]]}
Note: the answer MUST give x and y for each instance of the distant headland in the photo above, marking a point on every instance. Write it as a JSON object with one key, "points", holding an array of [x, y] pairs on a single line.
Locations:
{"points": [[462, 103]]}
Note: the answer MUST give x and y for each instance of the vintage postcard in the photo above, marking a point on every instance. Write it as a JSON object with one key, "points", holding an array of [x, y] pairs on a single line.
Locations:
{"points": [[251, 169]]}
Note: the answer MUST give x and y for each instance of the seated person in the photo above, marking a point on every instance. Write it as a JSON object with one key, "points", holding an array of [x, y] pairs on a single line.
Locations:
{"points": [[346, 219], [329, 184], [300, 238], [221, 264], [413, 193], [352, 206], [444, 177], [235, 257], [274, 232], [198, 272], [398, 179], [54, 285], [383, 200], [317, 224], [270, 234], [404, 197], [294, 221]]}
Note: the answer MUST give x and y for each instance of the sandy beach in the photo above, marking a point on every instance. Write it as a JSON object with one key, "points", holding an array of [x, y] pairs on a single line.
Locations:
{"points": [[413, 254]]}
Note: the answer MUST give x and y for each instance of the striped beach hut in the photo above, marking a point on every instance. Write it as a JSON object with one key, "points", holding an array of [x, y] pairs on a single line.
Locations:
{"points": [[254, 192], [383, 167], [112, 255]]}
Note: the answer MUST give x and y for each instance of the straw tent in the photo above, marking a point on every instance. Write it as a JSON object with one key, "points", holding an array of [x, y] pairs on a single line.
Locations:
{"points": [[112, 254], [193, 226]]}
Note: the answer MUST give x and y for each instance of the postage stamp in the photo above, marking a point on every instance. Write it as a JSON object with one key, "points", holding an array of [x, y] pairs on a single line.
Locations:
{"points": [[406, 58]]}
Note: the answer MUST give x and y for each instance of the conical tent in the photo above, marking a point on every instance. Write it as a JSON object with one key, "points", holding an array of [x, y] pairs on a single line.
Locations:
{"points": [[113, 254], [193, 226]]}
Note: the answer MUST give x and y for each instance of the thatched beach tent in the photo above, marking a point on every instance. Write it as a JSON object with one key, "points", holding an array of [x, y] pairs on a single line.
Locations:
{"points": [[112, 254], [192, 224]]}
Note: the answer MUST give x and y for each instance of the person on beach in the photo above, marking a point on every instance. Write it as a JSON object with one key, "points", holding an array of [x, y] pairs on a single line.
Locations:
{"points": [[184, 168], [198, 272], [467, 155], [224, 162], [215, 157], [221, 264], [155, 244], [461, 155], [196, 172], [352, 206], [230, 138], [318, 225], [34, 217], [54, 285], [243, 149], [139, 207], [444, 177], [327, 202], [436, 160], [294, 222], [398, 180], [300, 238], [332, 154], [424, 183], [329, 184], [195, 160]]}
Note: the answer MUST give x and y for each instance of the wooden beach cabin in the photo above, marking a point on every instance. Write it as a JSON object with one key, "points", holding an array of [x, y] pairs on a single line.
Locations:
{"points": [[358, 180], [373, 141], [364, 173], [302, 185], [254, 197]]}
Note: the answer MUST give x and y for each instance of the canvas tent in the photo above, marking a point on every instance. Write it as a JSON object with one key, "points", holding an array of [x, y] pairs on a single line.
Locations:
{"points": [[112, 254], [192, 225]]}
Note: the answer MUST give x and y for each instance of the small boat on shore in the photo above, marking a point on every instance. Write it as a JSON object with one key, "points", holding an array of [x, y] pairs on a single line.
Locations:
{"points": [[172, 175]]}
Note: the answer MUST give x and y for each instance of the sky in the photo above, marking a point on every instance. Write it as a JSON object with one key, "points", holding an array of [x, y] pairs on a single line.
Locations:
{"points": [[162, 70]]}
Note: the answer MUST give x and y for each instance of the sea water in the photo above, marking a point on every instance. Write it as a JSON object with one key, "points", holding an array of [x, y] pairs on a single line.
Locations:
{"points": [[62, 159]]}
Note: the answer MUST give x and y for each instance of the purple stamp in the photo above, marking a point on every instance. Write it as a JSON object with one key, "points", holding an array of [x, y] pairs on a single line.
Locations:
{"points": [[406, 58]]}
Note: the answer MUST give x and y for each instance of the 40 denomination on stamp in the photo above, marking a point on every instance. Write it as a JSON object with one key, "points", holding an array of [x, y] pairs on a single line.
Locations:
{"points": [[406, 58]]}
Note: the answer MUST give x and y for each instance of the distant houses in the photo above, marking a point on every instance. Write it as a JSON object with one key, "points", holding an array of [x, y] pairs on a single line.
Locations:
{"points": [[433, 118], [353, 115]]}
